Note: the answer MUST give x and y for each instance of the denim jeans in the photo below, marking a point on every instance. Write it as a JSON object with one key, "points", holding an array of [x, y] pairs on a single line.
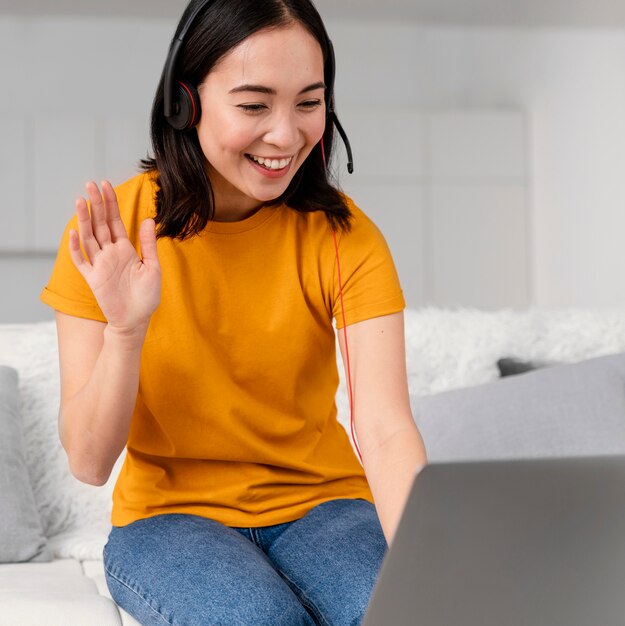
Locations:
{"points": [[187, 570]]}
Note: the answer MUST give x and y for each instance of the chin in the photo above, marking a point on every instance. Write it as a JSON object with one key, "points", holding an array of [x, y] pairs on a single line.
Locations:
{"points": [[270, 196]]}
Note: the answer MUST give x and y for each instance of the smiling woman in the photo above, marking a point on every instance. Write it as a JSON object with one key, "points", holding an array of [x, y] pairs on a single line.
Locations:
{"points": [[255, 136], [196, 306]]}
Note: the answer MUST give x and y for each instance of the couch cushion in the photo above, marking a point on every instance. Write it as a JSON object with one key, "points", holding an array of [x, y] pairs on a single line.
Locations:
{"points": [[95, 570], [21, 532], [55, 594], [60, 608], [564, 410]]}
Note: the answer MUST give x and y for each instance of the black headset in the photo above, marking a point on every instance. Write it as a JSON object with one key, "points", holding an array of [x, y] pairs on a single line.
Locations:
{"points": [[182, 102]]}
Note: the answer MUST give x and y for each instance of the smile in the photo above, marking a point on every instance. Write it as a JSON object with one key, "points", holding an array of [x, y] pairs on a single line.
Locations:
{"points": [[269, 163]]}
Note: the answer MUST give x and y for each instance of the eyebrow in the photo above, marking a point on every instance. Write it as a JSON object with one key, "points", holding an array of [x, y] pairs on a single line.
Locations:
{"points": [[272, 92]]}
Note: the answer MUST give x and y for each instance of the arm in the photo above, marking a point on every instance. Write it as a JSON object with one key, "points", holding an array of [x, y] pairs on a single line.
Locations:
{"points": [[100, 362], [99, 383], [392, 448]]}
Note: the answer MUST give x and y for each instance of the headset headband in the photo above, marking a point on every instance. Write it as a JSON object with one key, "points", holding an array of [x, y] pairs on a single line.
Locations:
{"points": [[169, 83]]}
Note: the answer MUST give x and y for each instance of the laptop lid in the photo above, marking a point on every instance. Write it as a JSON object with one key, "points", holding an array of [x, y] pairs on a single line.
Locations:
{"points": [[520, 543]]}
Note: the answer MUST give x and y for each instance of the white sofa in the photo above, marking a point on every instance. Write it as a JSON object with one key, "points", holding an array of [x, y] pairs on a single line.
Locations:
{"points": [[445, 350]]}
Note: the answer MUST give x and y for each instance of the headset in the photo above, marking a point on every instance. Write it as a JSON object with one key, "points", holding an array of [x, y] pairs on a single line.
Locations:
{"points": [[182, 110], [182, 102]]}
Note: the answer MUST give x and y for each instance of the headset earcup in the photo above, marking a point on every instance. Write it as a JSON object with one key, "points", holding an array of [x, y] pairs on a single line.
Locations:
{"points": [[186, 104]]}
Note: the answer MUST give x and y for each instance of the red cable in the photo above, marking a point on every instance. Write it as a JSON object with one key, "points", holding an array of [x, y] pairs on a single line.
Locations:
{"points": [[349, 373]]}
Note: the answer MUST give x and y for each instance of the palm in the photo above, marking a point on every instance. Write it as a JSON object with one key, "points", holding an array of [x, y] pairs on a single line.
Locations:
{"points": [[126, 287], [123, 286]]}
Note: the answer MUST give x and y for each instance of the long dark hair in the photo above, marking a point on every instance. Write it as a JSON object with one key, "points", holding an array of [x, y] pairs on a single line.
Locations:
{"points": [[185, 200]]}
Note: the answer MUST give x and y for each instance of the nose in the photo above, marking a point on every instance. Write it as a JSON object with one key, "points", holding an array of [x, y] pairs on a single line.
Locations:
{"points": [[283, 130]]}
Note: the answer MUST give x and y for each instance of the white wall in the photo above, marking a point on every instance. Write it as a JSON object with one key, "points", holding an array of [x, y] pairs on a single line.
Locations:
{"points": [[77, 108], [449, 190], [571, 86], [80, 92]]}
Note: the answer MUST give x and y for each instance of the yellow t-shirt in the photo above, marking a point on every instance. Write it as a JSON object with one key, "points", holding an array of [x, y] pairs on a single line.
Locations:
{"points": [[235, 417]]}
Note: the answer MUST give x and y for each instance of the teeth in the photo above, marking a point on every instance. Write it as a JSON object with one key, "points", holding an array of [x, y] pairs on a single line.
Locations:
{"points": [[272, 164]]}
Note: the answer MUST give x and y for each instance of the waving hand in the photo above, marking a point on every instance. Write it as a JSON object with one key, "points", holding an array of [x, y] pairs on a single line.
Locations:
{"points": [[126, 287]]}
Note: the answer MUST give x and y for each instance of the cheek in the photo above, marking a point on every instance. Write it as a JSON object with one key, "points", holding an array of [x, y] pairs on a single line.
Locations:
{"points": [[238, 142], [222, 136], [319, 125], [313, 130], [220, 131]]}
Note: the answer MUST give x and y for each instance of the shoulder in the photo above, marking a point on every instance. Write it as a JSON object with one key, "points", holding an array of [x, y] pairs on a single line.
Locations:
{"points": [[138, 194], [317, 220], [315, 227], [362, 227], [136, 198], [358, 215]]}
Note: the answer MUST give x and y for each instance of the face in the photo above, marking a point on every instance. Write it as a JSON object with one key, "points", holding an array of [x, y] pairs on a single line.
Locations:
{"points": [[263, 111]]}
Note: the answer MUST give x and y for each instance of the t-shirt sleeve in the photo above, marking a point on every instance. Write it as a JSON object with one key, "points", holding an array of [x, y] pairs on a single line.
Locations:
{"points": [[369, 280], [67, 291]]}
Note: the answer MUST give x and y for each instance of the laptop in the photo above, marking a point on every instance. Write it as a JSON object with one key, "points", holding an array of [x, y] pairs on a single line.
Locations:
{"points": [[536, 542]]}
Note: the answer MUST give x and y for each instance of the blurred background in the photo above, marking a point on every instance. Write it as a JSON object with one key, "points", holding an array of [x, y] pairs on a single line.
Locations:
{"points": [[488, 138]]}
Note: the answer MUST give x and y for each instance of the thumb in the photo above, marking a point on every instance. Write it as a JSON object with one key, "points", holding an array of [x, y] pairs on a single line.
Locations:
{"points": [[147, 241]]}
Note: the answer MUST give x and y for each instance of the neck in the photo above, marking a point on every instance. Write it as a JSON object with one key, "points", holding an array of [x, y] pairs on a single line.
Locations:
{"points": [[230, 204], [234, 215]]}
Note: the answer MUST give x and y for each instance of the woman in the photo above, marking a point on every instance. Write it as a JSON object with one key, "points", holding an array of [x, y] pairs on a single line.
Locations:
{"points": [[195, 308]]}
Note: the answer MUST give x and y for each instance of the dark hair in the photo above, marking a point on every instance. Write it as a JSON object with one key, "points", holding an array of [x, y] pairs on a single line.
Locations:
{"points": [[185, 199]]}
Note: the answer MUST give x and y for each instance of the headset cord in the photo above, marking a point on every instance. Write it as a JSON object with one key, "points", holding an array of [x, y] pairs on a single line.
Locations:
{"points": [[348, 368]]}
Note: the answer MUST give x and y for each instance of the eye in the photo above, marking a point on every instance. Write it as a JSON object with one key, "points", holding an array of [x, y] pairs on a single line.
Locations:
{"points": [[252, 107], [311, 104]]}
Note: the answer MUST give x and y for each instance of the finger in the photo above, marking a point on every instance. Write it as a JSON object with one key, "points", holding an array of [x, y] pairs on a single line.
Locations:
{"points": [[147, 241], [76, 253], [100, 227], [116, 226], [92, 247]]}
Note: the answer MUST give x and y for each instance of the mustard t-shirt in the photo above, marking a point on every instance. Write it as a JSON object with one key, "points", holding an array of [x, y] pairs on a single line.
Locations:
{"points": [[235, 417]]}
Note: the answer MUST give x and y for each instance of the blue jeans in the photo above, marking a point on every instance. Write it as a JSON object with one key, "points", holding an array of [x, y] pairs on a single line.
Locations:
{"points": [[187, 570]]}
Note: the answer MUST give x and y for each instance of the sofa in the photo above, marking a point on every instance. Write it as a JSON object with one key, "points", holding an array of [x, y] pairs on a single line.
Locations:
{"points": [[483, 385]]}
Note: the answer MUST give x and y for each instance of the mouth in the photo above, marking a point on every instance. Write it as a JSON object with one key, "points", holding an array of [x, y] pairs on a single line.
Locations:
{"points": [[271, 164]]}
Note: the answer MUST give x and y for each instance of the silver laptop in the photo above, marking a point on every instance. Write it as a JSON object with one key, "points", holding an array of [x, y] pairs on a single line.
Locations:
{"points": [[508, 543]]}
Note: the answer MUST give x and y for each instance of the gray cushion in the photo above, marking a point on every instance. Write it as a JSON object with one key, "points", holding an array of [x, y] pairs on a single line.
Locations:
{"points": [[21, 533], [564, 410]]}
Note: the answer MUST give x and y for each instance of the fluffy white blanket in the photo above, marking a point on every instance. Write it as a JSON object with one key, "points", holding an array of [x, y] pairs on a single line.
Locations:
{"points": [[444, 349]]}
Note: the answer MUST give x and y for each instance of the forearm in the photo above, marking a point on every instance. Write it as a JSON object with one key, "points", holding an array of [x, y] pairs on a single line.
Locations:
{"points": [[94, 423], [390, 469]]}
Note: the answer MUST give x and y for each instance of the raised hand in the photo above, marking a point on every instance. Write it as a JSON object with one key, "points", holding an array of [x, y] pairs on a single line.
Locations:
{"points": [[126, 287]]}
